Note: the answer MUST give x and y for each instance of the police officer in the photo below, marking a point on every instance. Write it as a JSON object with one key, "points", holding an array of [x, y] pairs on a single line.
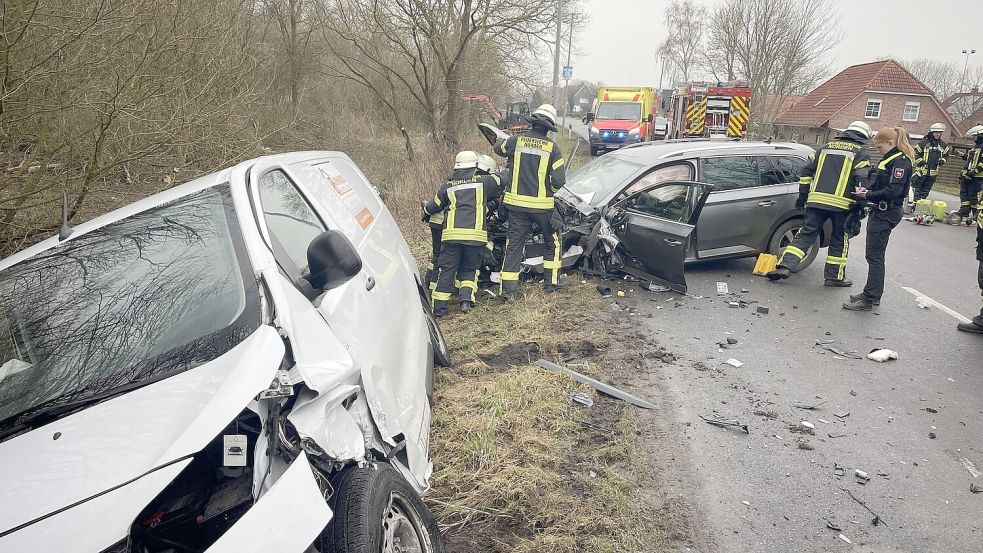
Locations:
{"points": [[537, 172], [971, 179], [826, 190], [930, 156], [886, 198], [976, 325], [465, 196]]}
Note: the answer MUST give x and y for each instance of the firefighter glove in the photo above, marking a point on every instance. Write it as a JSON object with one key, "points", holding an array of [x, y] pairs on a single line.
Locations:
{"points": [[800, 202]]}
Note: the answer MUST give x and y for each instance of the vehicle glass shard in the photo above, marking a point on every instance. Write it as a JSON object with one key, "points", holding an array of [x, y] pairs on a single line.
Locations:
{"points": [[156, 293], [607, 236]]}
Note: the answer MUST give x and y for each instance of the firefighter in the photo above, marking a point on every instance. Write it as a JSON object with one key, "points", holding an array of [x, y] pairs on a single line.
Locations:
{"points": [[971, 179], [826, 192], [436, 224], [930, 156], [976, 325], [487, 164], [537, 172], [465, 196], [885, 197]]}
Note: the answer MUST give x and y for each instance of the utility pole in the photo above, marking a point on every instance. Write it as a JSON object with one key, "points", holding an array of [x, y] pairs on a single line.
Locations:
{"points": [[556, 53], [566, 82], [965, 69]]}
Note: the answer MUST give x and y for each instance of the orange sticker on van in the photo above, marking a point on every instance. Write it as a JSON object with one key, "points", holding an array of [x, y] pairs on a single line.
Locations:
{"points": [[365, 218]]}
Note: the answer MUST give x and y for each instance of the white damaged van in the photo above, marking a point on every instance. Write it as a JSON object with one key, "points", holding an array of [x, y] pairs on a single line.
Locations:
{"points": [[241, 363]]}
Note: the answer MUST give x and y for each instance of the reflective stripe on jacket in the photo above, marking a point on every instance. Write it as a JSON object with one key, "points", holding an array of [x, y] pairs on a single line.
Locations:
{"points": [[930, 156], [465, 197], [537, 170], [831, 176], [974, 163]]}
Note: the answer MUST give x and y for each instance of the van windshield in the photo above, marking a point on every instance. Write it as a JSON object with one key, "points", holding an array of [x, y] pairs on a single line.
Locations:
{"points": [[157, 293], [627, 111]]}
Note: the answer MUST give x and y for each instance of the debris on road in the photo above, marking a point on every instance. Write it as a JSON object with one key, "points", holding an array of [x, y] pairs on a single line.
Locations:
{"points": [[734, 363], [931, 435], [762, 310], [923, 302], [835, 435], [800, 429], [844, 538], [862, 477], [931, 410], [583, 399], [722, 289], [726, 423], [838, 470], [824, 421], [808, 424], [748, 503], [882, 355], [975, 488], [877, 519], [841, 414], [653, 287], [831, 526], [808, 406], [621, 293], [605, 291], [732, 341], [828, 346], [606, 389], [804, 444]]}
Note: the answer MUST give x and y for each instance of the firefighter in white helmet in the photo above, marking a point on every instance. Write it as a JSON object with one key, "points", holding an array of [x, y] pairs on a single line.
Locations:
{"points": [[466, 161], [930, 156], [976, 154], [971, 179], [537, 173]]}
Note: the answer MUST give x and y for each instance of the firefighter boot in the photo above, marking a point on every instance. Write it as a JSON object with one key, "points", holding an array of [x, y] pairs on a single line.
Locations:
{"points": [[466, 306], [833, 283], [562, 282], [859, 297], [859, 304], [780, 273]]}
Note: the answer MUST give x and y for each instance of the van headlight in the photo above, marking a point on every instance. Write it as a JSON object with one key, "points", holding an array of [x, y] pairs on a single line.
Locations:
{"points": [[594, 130], [633, 132]]}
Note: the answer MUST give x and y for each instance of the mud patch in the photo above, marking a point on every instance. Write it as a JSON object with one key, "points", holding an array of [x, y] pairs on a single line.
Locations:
{"points": [[513, 355]]}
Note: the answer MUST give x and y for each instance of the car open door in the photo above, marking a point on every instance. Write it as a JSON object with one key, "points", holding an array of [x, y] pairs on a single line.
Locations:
{"points": [[654, 226]]}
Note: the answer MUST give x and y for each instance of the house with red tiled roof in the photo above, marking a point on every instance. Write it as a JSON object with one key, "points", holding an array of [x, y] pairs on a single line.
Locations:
{"points": [[882, 93]]}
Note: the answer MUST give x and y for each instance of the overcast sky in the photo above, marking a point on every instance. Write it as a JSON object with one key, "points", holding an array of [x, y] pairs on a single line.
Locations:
{"points": [[619, 45]]}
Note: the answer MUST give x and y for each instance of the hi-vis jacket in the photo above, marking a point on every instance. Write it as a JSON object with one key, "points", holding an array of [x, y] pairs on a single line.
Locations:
{"points": [[465, 196], [974, 163], [537, 171], [831, 176], [930, 156]]}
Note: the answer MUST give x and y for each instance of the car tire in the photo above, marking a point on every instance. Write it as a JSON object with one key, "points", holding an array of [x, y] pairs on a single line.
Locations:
{"points": [[782, 237], [376, 510]]}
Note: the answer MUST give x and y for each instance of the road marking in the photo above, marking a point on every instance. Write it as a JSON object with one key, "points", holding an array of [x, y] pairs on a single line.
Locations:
{"points": [[970, 467], [945, 309]]}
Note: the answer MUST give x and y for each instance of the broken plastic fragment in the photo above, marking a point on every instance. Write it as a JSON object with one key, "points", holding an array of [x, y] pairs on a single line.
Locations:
{"points": [[844, 538], [582, 399], [722, 289], [808, 424], [726, 423], [882, 355], [734, 363]]}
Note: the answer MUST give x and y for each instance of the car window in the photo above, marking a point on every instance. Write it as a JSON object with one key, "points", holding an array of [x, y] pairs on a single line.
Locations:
{"points": [[677, 172], [769, 172], [671, 201], [731, 173], [292, 223], [791, 166]]}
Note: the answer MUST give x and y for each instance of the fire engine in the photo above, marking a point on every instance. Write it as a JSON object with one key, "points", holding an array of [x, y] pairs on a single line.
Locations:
{"points": [[710, 110]]}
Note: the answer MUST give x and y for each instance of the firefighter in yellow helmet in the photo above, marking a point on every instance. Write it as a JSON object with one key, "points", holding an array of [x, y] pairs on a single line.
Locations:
{"points": [[826, 193], [930, 156], [464, 196], [537, 172]]}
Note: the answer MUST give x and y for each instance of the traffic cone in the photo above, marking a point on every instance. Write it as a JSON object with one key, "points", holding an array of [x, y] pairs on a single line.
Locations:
{"points": [[766, 263]]}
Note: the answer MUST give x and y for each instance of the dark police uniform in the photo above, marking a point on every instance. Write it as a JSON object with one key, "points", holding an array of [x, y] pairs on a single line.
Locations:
{"points": [[886, 197], [930, 156], [463, 239], [826, 189], [537, 172], [971, 182]]}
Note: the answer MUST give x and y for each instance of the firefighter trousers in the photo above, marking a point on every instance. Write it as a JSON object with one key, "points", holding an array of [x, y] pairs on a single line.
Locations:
{"points": [[458, 263], [969, 192], [979, 275], [521, 226], [879, 227], [436, 232], [808, 235], [922, 186]]}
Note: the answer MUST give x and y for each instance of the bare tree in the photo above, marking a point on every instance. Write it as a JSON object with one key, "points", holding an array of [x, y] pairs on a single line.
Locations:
{"points": [[685, 22]]}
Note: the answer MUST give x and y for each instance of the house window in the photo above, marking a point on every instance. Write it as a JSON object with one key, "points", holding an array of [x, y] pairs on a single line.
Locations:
{"points": [[911, 111], [873, 109]]}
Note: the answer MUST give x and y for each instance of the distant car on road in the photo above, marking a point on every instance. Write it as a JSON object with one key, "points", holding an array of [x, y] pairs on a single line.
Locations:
{"points": [[241, 363], [652, 195]]}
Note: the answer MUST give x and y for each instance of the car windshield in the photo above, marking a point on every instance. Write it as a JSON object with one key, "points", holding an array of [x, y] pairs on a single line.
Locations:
{"points": [[159, 292], [596, 179], [628, 111]]}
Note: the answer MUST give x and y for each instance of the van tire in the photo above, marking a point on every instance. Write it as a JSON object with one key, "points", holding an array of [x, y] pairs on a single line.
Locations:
{"points": [[368, 501], [782, 237], [441, 353]]}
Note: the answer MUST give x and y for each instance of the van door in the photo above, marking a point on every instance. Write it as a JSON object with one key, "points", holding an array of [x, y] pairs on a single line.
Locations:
{"points": [[655, 225], [377, 314]]}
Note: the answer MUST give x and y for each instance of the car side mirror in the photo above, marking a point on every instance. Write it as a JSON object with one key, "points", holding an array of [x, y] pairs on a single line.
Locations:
{"points": [[650, 118], [332, 260]]}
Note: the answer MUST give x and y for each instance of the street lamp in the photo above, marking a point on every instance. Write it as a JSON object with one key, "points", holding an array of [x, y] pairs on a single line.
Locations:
{"points": [[966, 66]]}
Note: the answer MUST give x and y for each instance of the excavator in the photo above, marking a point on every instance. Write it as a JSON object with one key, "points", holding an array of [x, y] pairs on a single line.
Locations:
{"points": [[513, 121]]}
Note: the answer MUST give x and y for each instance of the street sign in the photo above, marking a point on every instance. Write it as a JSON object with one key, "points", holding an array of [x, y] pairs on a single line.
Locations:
{"points": [[567, 72]]}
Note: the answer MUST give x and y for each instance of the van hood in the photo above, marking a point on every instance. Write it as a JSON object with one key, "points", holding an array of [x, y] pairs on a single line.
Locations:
{"points": [[616, 124], [88, 453]]}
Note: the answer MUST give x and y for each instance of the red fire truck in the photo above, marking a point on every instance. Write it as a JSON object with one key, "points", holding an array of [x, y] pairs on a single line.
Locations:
{"points": [[710, 110]]}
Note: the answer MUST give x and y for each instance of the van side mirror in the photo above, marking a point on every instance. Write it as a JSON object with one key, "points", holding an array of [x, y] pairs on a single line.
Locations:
{"points": [[332, 260], [590, 117]]}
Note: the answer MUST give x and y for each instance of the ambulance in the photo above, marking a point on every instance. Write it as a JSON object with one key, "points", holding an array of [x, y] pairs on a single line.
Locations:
{"points": [[622, 115]]}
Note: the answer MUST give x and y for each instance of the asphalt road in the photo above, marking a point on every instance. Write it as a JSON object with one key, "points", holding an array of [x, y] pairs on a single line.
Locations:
{"points": [[919, 486]]}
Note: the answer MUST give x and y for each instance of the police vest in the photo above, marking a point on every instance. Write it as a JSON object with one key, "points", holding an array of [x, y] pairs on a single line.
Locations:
{"points": [[832, 183]]}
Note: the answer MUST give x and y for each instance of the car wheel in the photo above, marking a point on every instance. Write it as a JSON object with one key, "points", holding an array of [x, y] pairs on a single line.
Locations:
{"points": [[376, 511], [783, 236], [441, 353]]}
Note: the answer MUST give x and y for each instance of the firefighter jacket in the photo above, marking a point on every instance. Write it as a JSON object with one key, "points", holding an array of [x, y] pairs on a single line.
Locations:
{"points": [[891, 181], [974, 162], [830, 177], [537, 171], [465, 196], [930, 156]]}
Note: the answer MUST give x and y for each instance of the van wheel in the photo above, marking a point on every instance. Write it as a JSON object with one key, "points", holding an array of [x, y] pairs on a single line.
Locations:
{"points": [[783, 236], [376, 511], [441, 353]]}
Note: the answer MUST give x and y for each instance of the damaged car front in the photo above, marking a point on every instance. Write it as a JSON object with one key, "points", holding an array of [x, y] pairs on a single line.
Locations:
{"points": [[162, 391]]}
